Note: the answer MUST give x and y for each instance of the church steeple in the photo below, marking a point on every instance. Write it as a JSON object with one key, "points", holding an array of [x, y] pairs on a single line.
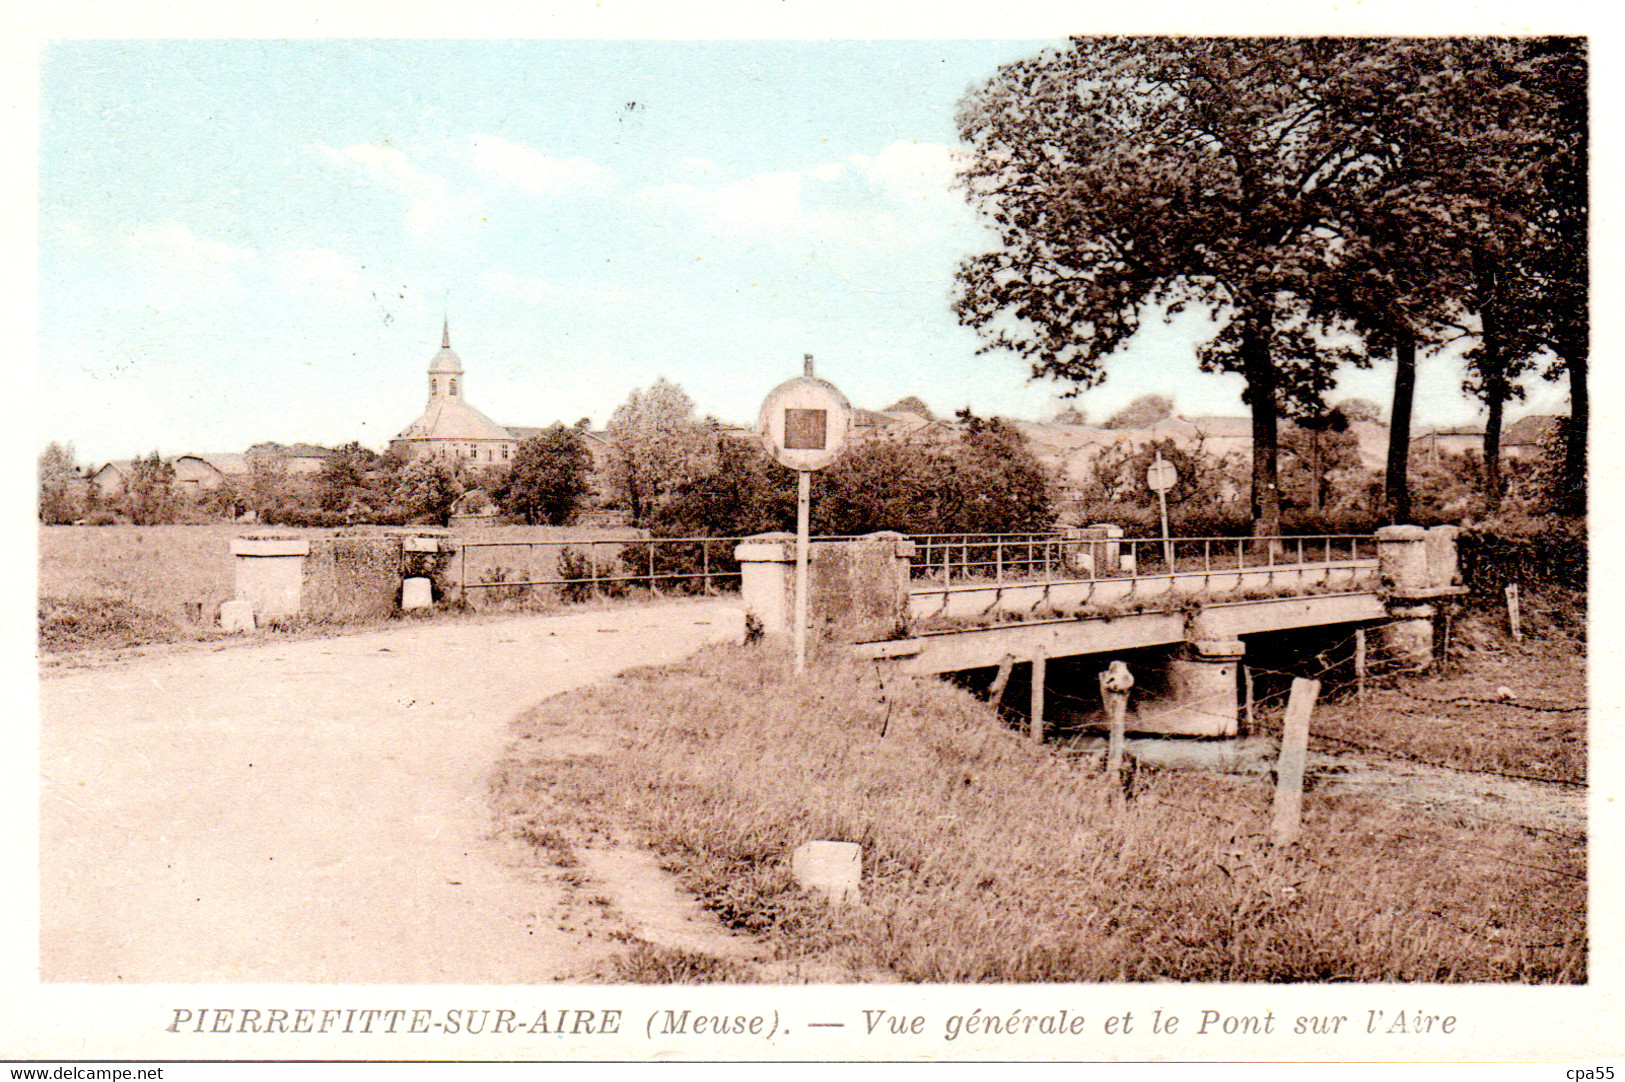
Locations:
{"points": [[445, 368]]}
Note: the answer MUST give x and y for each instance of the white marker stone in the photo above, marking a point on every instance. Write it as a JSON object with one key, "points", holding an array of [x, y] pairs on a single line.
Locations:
{"points": [[832, 867], [416, 593], [236, 616]]}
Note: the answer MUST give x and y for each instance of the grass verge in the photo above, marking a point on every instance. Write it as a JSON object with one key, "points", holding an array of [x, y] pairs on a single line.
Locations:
{"points": [[988, 860]]}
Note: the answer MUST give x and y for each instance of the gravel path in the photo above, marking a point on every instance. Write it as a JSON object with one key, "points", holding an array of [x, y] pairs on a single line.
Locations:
{"points": [[315, 811]]}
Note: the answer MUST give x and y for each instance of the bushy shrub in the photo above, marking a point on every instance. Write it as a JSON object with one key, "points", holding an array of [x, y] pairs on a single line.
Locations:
{"points": [[1524, 550]]}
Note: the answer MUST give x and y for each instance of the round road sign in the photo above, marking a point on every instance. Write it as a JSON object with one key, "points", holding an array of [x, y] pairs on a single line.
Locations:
{"points": [[1161, 476], [804, 423]]}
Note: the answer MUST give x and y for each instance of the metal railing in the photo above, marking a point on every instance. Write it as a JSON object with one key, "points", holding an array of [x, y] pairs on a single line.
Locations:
{"points": [[601, 567], [946, 559], [610, 567]]}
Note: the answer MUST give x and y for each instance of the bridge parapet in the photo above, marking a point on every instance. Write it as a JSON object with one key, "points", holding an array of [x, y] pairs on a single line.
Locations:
{"points": [[858, 588]]}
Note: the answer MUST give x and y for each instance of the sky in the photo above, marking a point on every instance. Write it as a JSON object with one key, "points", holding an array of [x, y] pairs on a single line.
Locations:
{"points": [[247, 240]]}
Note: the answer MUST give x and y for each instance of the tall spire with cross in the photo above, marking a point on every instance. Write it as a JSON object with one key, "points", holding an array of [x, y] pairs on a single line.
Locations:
{"points": [[445, 332]]}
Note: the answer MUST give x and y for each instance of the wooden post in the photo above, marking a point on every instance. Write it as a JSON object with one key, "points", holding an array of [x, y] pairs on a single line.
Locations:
{"points": [[803, 501], [1247, 680], [1359, 664], [995, 690], [1514, 617], [1115, 683], [1446, 614], [1286, 821], [1035, 723]]}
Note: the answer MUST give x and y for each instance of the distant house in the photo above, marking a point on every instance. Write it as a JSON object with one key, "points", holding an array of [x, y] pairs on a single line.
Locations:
{"points": [[196, 474], [111, 478], [900, 426], [1528, 436], [1436, 443]]}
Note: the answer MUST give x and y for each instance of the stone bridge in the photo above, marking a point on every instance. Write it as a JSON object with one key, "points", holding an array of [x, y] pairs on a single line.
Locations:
{"points": [[1194, 616]]}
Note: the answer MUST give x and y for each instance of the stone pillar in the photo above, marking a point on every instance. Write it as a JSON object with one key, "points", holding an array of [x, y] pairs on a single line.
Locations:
{"points": [[1444, 569], [858, 590], [1419, 568], [767, 570], [270, 571], [1109, 553], [1402, 559], [1408, 636], [1203, 698]]}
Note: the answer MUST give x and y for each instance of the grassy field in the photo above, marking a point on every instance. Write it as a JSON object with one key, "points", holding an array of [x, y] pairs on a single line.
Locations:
{"points": [[118, 586], [989, 860]]}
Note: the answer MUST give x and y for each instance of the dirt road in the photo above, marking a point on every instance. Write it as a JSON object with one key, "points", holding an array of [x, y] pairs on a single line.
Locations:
{"points": [[315, 811]]}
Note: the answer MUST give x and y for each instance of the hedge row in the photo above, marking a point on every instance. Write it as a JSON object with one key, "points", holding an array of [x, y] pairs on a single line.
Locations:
{"points": [[1549, 550]]}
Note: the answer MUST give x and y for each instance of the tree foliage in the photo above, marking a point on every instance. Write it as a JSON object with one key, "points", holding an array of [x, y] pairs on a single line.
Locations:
{"points": [[149, 491], [1412, 191], [428, 488], [912, 404], [58, 474], [342, 483], [658, 447], [1143, 412], [549, 478], [985, 481]]}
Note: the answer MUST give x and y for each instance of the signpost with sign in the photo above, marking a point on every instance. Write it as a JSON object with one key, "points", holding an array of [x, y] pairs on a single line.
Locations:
{"points": [[804, 424], [1160, 478]]}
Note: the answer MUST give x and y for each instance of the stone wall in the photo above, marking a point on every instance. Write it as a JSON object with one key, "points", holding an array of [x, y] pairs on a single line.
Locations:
{"points": [[352, 578]]}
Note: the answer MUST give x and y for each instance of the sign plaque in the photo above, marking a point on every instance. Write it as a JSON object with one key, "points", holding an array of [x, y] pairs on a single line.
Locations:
{"points": [[804, 423]]}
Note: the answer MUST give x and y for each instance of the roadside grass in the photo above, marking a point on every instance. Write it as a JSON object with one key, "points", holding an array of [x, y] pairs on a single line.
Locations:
{"points": [[114, 587], [988, 860], [1488, 717]]}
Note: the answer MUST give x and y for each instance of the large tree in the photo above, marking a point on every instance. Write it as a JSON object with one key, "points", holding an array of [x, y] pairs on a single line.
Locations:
{"points": [[549, 478], [1126, 176], [58, 473], [149, 492], [657, 447]]}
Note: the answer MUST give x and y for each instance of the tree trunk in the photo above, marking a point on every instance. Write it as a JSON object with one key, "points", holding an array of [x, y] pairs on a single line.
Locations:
{"points": [[1492, 446], [1396, 481], [1492, 378], [1260, 376], [1574, 451]]}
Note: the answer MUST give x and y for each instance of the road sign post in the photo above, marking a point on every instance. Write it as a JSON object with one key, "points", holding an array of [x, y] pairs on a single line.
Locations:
{"points": [[1160, 478], [804, 425]]}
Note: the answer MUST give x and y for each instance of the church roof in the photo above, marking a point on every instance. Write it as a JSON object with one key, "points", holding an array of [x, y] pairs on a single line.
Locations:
{"points": [[453, 419]]}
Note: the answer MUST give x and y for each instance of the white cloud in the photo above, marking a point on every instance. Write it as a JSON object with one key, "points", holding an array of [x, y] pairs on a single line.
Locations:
{"points": [[913, 171], [530, 290], [767, 203], [321, 271], [172, 248], [530, 170], [431, 202], [896, 196]]}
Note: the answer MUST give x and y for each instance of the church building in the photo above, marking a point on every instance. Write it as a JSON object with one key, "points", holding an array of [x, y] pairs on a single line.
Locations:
{"points": [[450, 428]]}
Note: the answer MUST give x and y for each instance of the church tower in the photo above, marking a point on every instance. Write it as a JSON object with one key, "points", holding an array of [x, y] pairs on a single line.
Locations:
{"points": [[450, 428], [446, 368]]}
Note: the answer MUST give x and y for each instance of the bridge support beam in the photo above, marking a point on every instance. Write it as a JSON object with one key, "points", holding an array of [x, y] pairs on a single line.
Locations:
{"points": [[1408, 636], [1203, 686], [1420, 572]]}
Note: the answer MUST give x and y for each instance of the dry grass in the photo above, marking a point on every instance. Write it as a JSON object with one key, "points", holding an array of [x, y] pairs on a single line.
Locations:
{"points": [[119, 586], [986, 860]]}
